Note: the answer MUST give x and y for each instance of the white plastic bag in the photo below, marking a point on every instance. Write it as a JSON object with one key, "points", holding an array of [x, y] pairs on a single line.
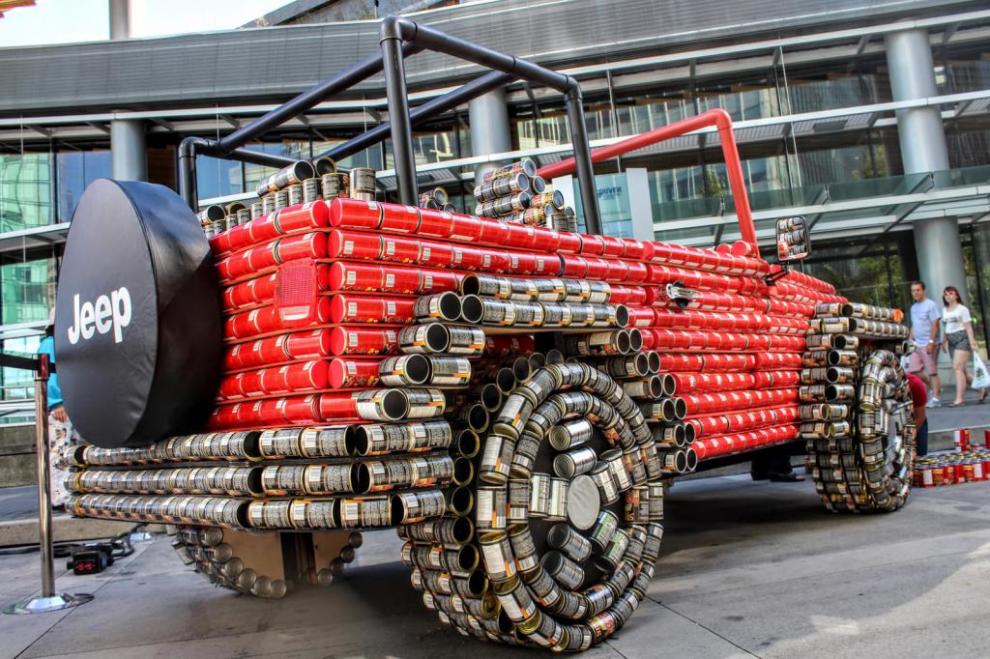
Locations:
{"points": [[981, 377]]}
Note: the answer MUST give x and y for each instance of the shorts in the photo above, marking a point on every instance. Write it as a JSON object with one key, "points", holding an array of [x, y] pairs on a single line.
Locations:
{"points": [[958, 341], [920, 360]]}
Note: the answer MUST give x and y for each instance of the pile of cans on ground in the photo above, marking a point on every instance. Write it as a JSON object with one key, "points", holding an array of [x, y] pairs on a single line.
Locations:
{"points": [[966, 464], [856, 407], [516, 193]]}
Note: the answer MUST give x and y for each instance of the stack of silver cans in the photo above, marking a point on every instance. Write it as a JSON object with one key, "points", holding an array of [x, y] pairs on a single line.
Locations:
{"points": [[517, 193]]}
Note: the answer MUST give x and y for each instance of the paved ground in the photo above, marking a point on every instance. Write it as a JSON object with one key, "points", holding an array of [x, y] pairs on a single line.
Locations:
{"points": [[747, 569], [970, 415]]}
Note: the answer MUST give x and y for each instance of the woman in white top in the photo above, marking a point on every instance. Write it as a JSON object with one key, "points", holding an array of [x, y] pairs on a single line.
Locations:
{"points": [[958, 340]]}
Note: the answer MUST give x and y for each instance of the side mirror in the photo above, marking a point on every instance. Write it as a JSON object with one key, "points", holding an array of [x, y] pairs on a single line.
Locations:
{"points": [[793, 239]]}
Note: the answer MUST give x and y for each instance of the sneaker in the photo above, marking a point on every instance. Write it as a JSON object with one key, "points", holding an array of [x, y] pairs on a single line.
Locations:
{"points": [[934, 402]]}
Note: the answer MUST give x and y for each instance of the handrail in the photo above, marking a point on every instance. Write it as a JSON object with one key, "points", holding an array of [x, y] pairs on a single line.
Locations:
{"points": [[715, 117]]}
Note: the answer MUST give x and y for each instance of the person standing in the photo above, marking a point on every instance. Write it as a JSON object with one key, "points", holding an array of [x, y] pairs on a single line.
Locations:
{"points": [[62, 438], [919, 414], [925, 318], [958, 340]]}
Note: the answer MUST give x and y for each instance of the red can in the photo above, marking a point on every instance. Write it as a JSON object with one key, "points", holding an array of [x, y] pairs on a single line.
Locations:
{"points": [[355, 213], [470, 258], [597, 267], [348, 373], [615, 270], [497, 233], [338, 406], [292, 410], [636, 250], [358, 340], [636, 272], [592, 245], [356, 277], [435, 254], [305, 217], [518, 236], [613, 247], [435, 224], [259, 290], [308, 246], [496, 260], [400, 219], [397, 249], [371, 309], [278, 349], [342, 244], [296, 377], [466, 229], [574, 267], [522, 263], [963, 439], [546, 241], [640, 317], [230, 388], [438, 281], [568, 242]]}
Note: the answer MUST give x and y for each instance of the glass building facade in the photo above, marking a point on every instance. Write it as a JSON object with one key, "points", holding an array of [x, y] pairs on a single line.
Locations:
{"points": [[836, 160]]}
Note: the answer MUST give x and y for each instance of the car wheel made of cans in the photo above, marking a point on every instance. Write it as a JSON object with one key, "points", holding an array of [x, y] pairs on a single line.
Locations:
{"points": [[860, 433], [204, 548], [566, 524]]}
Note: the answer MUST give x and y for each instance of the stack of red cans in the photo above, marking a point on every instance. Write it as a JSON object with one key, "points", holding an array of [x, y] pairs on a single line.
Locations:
{"points": [[317, 296]]}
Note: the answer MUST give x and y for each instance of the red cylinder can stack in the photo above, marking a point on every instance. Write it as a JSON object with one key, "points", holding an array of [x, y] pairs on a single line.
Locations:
{"points": [[332, 283]]}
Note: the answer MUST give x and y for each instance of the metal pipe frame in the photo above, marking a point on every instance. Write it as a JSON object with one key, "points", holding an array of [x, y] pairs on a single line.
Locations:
{"points": [[733, 165], [400, 38], [421, 113], [395, 28]]}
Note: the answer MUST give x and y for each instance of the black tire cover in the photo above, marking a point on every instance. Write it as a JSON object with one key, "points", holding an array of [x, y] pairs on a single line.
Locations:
{"points": [[138, 325]]}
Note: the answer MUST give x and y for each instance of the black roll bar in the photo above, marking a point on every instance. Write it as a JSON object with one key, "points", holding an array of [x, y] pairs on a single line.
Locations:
{"points": [[400, 38]]}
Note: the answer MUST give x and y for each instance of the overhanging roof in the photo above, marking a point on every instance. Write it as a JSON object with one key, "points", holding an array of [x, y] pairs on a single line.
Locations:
{"points": [[280, 61]]}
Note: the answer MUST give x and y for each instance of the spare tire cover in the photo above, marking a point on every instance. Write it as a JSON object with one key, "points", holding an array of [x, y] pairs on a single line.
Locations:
{"points": [[138, 326]]}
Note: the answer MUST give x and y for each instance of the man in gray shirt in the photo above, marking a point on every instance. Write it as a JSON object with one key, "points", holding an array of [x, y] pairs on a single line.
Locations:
{"points": [[925, 318]]}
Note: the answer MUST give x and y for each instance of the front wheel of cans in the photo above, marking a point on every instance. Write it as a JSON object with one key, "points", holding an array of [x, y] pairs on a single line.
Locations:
{"points": [[864, 462], [564, 526]]}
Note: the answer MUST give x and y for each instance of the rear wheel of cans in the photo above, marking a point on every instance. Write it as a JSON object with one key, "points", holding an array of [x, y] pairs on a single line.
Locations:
{"points": [[864, 461], [564, 526], [257, 563]]}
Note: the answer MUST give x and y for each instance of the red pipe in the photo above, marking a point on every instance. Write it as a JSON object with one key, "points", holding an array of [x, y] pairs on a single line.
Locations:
{"points": [[716, 117]]}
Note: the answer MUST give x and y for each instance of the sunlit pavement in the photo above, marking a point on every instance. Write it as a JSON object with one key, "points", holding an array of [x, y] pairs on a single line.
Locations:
{"points": [[747, 569]]}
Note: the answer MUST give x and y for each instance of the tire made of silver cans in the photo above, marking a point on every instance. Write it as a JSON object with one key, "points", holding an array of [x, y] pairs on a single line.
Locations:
{"points": [[857, 420], [599, 556]]}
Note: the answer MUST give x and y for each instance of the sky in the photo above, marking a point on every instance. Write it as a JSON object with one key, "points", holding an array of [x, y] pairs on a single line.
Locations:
{"points": [[65, 21]]}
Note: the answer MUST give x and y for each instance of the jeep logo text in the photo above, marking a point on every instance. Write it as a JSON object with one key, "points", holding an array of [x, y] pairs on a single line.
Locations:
{"points": [[108, 312]]}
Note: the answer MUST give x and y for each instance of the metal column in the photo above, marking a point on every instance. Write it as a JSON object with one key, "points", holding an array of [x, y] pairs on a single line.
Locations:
{"points": [[127, 150], [120, 19], [923, 149], [488, 117]]}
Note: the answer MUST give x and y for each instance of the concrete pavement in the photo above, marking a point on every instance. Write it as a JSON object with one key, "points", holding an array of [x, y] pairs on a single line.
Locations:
{"points": [[747, 569]]}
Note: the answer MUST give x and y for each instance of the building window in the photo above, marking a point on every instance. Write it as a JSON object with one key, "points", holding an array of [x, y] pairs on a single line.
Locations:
{"points": [[25, 191], [76, 170]]}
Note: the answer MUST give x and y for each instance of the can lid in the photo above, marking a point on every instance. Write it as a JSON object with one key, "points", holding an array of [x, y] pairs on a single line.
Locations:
{"points": [[583, 502], [336, 373], [338, 340], [338, 308]]}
